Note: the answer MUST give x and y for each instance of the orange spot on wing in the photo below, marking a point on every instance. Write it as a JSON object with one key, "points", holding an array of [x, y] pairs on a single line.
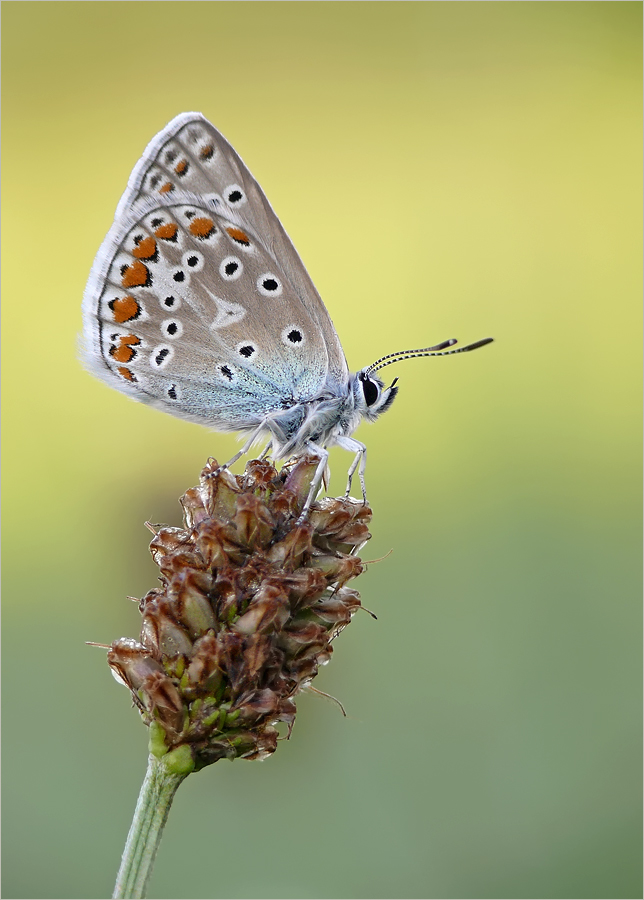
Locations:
{"points": [[202, 227], [207, 151], [125, 352], [167, 232], [145, 249], [135, 275], [181, 167], [125, 373], [124, 309], [166, 188], [238, 235]]}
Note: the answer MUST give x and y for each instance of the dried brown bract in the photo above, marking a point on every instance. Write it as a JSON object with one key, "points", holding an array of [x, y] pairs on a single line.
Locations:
{"points": [[249, 604]]}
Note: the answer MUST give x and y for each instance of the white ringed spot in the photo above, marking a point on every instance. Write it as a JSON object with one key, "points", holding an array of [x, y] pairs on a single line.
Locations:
{"points": [[269, 285], [180, 276], [231, 268], [293, 336], [246, 349], [170, 301], [234, 195], [193, 261], [161, 356], [171, 328]]}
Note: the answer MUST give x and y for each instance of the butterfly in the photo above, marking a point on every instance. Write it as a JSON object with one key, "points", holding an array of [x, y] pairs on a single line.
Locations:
{"points": [[198, 304]]}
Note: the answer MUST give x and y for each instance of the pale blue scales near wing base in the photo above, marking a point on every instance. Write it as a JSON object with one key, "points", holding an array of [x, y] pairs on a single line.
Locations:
{"points": [[198, 304]]}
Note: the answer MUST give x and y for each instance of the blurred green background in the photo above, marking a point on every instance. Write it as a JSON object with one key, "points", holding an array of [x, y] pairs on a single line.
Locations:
{"points": [[445, 170]]}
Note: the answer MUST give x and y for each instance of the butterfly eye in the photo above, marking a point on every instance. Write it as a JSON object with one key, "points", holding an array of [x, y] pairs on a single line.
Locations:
{"points": [[370, 390]]}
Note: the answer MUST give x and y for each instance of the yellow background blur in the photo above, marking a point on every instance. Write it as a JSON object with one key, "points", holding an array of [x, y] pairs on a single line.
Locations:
{"points": [[445, 170]]}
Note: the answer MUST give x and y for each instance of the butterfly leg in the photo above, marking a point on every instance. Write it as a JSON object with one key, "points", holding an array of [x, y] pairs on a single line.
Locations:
{"points": [[244, 450], [323, 457], [360, 459]]}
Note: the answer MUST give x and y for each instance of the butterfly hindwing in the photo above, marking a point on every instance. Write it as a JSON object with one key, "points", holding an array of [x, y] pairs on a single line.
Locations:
{"points": [[187, 311]]}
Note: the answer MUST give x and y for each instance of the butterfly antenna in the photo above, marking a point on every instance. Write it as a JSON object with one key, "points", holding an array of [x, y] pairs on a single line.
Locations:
{"points": [[437, 350]]}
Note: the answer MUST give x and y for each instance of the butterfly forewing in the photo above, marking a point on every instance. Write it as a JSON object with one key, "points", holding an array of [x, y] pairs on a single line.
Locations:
{"points": [[191, 155]]}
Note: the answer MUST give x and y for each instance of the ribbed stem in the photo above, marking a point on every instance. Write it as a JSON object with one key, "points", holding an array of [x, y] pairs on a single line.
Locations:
{"points": [[144, 837]]}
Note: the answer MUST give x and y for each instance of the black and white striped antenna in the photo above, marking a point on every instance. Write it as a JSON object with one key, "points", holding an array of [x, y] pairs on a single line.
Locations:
{"points": [[437, 350]]}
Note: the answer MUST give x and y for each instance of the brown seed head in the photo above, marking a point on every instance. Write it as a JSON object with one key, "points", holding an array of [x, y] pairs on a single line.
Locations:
{"points": [[249, 603]]}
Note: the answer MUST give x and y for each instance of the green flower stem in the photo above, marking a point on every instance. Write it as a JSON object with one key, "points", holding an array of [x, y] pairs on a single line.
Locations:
{"points": [[151, 813]]}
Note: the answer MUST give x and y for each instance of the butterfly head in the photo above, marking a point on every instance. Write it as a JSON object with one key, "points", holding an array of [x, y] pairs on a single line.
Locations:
{"points": [[371, 396]]}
